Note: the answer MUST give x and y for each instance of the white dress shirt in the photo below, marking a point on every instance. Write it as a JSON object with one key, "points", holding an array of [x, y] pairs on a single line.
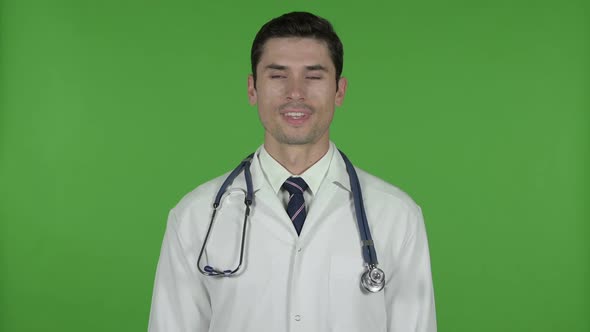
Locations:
{"points": [[305, 283], [275, 174]]}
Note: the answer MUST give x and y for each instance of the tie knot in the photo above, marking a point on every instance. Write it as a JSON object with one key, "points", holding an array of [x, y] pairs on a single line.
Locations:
{"points": [[295, 185]]}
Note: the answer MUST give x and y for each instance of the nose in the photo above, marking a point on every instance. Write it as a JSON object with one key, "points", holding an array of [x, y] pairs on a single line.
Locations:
{"points": [[295, 89]]}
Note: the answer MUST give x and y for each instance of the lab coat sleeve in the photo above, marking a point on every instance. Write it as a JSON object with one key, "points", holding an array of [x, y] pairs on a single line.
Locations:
{"points": [[180, 302], [409, 293]]}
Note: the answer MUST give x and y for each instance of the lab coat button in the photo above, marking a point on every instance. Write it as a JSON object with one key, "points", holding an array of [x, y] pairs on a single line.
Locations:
{"points": [[299, 249], [297, 317]]}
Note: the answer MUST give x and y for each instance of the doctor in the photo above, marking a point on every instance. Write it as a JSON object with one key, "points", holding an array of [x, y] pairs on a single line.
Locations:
{"points": [[302, 259]]}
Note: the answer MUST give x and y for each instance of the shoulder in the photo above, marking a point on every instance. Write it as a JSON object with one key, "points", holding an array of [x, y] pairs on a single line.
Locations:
{"points": [[378, 190], [198, 203], [200, 197]]}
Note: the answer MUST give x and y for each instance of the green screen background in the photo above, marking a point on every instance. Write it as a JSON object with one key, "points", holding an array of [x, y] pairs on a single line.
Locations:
{"points": [[111, 111]]}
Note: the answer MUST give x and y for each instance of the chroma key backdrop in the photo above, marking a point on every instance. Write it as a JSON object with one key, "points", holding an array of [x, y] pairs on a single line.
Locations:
{"points": [[111, 111]]}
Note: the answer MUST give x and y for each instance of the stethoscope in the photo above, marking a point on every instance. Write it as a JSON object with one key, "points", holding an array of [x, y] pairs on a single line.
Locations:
{"points": [[372, 280]]}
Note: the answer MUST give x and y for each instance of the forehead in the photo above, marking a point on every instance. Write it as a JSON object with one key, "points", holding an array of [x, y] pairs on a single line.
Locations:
{"points": [[296, 51]]}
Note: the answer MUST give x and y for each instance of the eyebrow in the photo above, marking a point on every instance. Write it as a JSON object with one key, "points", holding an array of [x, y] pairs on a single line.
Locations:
{"points": [[316, 67], [276, 67], [309, 68]]}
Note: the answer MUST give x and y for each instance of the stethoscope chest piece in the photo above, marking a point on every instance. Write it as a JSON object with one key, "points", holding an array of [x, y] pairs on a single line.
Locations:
{"points": [[373, 279]]}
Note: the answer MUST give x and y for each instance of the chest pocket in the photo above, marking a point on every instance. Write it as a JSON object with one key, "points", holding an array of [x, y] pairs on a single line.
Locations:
{"points": [[351, 307]]}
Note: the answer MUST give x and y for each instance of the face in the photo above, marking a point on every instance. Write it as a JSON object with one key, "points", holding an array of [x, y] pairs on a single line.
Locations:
{"points": [[296, 91]]}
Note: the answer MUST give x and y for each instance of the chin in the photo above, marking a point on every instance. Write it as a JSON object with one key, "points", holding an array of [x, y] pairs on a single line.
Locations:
{"points": [[295, 140]]}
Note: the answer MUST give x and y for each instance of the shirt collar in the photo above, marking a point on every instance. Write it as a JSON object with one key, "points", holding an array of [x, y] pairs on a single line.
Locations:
{"points": [[276, 174]]}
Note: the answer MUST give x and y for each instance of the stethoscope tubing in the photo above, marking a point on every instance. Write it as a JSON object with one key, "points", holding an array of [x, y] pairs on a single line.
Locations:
{"points": [[369, 253], [372, 280], [245, 166]]}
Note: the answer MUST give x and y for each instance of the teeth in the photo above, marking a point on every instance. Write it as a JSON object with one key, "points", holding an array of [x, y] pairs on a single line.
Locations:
{"points": [[295, 114]]}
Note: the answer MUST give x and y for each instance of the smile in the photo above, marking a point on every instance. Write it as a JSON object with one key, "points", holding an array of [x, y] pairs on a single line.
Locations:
{"points": [[294, 115]]}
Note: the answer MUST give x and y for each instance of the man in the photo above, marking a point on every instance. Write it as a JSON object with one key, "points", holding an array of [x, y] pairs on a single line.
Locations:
{"points": [[302, 260]]}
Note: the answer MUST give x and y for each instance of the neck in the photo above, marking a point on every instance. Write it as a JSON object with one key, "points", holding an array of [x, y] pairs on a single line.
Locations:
{"points": [[297, 158]]}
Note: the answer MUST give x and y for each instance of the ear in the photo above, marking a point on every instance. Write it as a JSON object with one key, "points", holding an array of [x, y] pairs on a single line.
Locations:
{"points": [[342, 84], [252, 96]]}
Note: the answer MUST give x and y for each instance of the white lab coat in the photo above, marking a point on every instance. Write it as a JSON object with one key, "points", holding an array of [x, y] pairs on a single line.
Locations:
{"points": [[304, 283]]}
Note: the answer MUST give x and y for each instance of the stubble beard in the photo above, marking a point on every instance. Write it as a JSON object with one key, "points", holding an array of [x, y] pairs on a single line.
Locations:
{"points": [[283, 138]]}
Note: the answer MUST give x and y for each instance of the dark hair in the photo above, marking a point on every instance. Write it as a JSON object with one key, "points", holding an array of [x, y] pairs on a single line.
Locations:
{"points": [[299, 24]]}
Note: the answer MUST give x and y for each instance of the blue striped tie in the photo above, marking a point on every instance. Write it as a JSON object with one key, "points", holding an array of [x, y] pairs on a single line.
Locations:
{"points": [[296, 206]]}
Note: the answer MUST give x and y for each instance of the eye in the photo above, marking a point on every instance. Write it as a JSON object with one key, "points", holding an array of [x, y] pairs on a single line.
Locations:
{"points": [[314, 77], [276, 76]]}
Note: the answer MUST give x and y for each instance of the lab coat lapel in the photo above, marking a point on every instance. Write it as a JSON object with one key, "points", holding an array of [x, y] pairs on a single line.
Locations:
{"points": [[323, 204], [267, 210], [333, 192]]}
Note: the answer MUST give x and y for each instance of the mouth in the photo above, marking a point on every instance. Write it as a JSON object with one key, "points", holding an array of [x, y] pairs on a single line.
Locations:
{"points": [[295, 114], [296, 117]]}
